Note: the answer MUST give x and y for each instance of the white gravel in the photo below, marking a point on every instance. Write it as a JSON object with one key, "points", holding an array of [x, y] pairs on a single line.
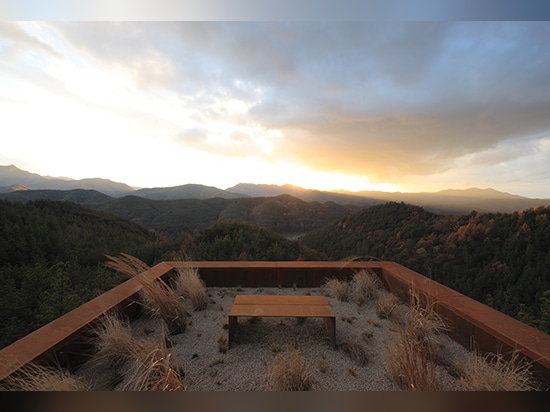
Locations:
{"points": [[243, 367]]}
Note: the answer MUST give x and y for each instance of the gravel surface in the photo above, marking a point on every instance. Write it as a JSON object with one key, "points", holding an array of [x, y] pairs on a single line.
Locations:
{"points": [[207, 367]]}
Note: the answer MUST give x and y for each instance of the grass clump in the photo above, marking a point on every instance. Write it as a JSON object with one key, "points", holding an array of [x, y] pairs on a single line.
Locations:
{"points": [[288, 372], [411, 362], [322, 364], [143, 364], [412, 355], [276, 348], [152, 370], [223, 344], [353, 372], [495, 372], [114, 342], [189, 284], [387, 307], [39, 377], [364, 286], [338, 289], [426, 322], [217, 361], [356, 352], [158, 297]]}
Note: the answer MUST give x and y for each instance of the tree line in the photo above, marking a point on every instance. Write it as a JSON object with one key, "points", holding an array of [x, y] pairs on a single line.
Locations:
{"points": [[51, 260], [52, 254], [500, 259]]}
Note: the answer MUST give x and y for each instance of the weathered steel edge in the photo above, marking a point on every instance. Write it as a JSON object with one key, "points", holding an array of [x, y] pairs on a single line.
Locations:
{"points": [[51, 337], [472, 323], [492, 330]]}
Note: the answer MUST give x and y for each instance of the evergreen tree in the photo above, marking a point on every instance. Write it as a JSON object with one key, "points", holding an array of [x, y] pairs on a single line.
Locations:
{"points": [[545, 311]]}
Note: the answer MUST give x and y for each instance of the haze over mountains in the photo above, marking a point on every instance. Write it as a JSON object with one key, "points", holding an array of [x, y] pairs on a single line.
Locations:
{"points": [[12, 178], [17, 184]]}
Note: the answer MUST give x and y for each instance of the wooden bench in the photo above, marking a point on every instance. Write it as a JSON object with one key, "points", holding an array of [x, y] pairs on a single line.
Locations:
{"points": [[282, 306]]}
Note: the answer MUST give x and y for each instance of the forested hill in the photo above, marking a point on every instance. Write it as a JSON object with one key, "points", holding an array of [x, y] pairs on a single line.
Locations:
{"points": [[49, 232], [282, 214], [501, 259], [51, 252], [51, 256], [237, 240]]}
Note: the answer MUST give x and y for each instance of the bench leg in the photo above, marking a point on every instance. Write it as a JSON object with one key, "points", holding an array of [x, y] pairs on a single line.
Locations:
{"points": [[232, 329], [330, 326]]}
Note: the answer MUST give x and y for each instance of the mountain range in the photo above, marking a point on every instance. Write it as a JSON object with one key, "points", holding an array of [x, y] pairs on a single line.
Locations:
{"points": [[14, 179], [17, 184]]}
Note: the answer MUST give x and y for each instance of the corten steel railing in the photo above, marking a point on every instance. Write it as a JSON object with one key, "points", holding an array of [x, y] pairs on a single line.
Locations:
{"points": [[64, 339]]}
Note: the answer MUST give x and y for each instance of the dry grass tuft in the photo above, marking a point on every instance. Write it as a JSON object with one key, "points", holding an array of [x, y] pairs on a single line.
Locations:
{"points": [[425, 321], [322, 364], [353, 372], [127, 264], [288, 372], [412, 356], [113, 341], [37, 377], [356, 352], [493, 372], [364, 286], [189, 284], [387, 307], [115, 344], [152, 370], [144, 364], [223, 344], [338, 289], [411, 362], [159, 298]]}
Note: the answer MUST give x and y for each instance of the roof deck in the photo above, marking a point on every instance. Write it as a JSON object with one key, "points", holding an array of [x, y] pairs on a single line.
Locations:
{"points": [[468, 320]]}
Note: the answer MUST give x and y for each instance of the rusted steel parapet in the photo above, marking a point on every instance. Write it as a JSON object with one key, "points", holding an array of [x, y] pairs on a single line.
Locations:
{"points": [[270, 274], [52, 339], [469, 321]]}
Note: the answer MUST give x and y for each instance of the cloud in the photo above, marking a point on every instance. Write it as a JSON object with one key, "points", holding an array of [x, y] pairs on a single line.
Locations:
{"points": [[381, 99], [468, 92], [385, 147], [516, 166], [378, 99], [14, 40], [138, 49], [230, 143], [196, 137]]}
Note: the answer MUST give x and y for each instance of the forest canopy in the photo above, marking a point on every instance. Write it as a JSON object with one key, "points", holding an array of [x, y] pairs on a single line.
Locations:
{"points": [[52, 254]]}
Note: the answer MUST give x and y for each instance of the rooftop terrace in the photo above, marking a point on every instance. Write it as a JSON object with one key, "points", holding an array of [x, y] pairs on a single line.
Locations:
{"points": [[468, 320]]}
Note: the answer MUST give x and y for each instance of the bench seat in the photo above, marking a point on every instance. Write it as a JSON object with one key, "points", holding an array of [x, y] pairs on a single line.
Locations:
{"points": [[282, 306]]}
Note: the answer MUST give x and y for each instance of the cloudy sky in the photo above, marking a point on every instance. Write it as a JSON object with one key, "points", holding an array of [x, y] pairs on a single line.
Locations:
{"points": [[365, 105]]}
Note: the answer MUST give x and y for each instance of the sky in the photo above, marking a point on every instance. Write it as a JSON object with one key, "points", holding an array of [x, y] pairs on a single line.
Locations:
{"points": [[393, 105]]}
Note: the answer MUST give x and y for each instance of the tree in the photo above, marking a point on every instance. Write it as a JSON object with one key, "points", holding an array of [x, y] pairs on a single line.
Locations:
{"points": [[60, 297], [545, 311]]}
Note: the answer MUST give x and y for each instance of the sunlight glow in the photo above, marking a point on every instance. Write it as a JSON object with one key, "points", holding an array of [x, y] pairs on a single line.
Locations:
{"points": [[281, 173], [327, 181], [165, 104]]}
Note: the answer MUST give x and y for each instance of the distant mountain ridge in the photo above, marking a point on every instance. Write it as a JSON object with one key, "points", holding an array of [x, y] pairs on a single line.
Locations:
{"points": [[450, 201], [13, 188], [460, 201], [309, 195], [189, 191], [85, 197], [11, 176], [282, 214]]}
